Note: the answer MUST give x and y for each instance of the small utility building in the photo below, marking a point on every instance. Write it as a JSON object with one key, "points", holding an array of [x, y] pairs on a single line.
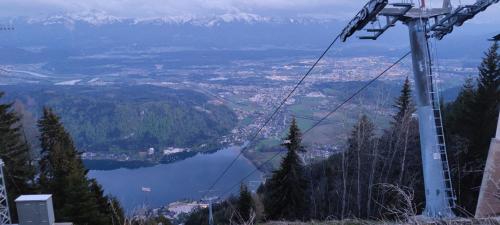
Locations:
{"points": [[36, 210]]}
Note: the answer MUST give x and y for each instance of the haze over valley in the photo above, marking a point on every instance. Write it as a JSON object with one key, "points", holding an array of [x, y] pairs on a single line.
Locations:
{"points": [[151, 104], [99, 72]]}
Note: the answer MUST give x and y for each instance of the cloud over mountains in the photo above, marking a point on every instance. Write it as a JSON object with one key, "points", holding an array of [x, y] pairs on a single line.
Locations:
{"points": [[156, 8], [148, 9]]}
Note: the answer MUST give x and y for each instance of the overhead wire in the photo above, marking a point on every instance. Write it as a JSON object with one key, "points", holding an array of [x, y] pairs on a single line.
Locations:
{"points": [[256, 134], [254, 137], [229, 190]]}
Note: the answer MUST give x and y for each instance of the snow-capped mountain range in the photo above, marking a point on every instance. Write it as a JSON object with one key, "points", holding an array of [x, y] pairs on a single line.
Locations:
{"points": [[98, 18], [92, 17], [97, 30]]}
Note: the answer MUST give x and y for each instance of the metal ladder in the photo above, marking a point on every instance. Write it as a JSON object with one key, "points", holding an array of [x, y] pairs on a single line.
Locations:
{"points": [[438, 119]]}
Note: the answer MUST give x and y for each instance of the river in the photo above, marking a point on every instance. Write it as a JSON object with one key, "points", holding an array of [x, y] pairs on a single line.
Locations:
{"points": [[186, 179]]}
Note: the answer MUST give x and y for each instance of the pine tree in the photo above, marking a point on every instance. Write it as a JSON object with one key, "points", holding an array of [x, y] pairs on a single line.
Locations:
{"points": [[109, 207], [470, 124], [459, 116], [489, 74], [15, 152], [404, 104], [245, 203], [487, 101], [285, 196], [62, 174], [399, 153]]}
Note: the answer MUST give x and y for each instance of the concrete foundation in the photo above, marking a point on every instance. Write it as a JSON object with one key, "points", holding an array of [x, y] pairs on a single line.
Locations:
{"points": [[488, 204]]}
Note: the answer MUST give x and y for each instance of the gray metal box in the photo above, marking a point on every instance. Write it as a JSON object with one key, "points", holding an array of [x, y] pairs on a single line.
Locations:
{"points": [[35, 210]]}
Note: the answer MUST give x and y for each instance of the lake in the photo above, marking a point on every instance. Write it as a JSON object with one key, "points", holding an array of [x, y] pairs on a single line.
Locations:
{"points": [[186, 179]]}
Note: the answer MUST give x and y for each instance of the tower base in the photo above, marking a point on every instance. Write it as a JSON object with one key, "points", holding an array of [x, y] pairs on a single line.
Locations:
{"points": [[488, 204]]}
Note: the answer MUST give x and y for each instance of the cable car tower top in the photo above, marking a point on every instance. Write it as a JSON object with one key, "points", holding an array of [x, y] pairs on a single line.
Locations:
{"points": [[376, 17], [383, 15]]}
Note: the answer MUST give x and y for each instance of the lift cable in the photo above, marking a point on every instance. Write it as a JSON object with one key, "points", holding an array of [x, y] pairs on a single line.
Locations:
{"points": [[321, 120], [254, 137]]}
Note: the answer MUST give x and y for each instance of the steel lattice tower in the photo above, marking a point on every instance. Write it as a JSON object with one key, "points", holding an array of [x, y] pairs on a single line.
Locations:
{"points": [[4, 202]]}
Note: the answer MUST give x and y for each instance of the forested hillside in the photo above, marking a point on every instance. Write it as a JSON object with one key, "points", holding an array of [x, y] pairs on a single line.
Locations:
{"points": [[380, 177], [128, 118]]}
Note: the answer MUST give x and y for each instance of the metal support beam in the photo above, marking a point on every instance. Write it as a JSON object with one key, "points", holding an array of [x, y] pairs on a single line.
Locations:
{"points": [[4, 202], [211, 215], [436, 193], [210, 201], [367, 14], [458, 17]]}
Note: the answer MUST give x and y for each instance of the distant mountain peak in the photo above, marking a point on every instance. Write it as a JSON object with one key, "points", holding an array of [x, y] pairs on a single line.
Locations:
{"points": [[208, 21], [93, 17], [98, 18]]}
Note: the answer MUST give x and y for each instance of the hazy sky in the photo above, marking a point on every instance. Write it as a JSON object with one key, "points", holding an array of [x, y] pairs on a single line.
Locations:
{"points": [[341, 9]]}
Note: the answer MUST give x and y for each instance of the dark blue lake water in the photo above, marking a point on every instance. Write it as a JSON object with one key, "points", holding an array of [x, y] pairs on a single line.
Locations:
{"points": [[186, 179]]}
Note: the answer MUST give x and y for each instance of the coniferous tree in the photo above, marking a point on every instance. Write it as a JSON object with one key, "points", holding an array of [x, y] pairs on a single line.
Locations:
{"points": [[399, 152], [470, 124], [404, 104], [62, 174], [462, 109], [487, 101], [400, 145], [15, 152], [285, 196], [349, 183], [109, 207], [245, 203]]}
